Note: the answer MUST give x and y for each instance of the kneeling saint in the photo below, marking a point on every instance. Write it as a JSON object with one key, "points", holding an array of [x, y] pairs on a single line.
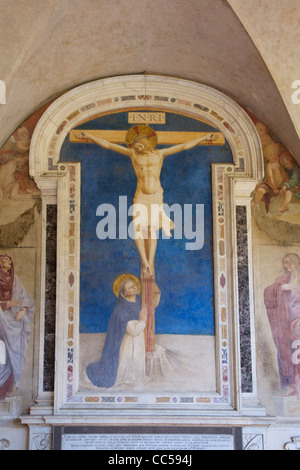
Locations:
{"points": [[123, 355]]}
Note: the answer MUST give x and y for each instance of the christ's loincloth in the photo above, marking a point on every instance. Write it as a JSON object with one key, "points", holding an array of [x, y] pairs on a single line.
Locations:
{"points": [[148, 211]]}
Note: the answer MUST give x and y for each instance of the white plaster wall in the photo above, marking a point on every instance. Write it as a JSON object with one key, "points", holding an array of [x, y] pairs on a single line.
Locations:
{"points": [[277, 437], [49, 47], [274, 28], [13, 437]]}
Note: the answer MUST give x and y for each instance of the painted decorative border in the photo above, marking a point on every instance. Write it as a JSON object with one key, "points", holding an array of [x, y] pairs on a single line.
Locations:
{"points": [[69, 286], [105, 96]]}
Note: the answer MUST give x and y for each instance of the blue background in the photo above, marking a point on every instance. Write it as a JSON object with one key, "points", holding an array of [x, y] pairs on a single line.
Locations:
{"points": [[184, 277]]}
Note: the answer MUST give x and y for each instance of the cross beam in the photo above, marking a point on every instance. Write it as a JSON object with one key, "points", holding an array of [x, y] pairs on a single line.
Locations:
{"points": [[164, 137]]}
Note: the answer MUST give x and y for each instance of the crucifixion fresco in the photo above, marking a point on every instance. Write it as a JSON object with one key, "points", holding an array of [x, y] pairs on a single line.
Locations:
{"points": [[146, 149]]}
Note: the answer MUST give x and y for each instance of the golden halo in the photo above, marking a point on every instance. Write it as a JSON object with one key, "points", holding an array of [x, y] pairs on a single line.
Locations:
{"points": [[125, 277], [141, 131]]}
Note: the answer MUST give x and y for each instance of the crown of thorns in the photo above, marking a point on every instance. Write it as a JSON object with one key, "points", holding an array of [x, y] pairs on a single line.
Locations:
{"points": [[139, 137]]}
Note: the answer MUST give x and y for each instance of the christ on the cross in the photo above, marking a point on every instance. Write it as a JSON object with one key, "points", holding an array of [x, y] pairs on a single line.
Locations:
{"points": [[148, 213]]}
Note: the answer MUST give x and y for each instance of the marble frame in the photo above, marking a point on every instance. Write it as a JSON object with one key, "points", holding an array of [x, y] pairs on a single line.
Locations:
{"points": [[232, 185]]}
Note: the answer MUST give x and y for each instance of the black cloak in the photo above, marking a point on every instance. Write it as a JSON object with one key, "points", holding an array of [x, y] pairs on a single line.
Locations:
{"points": [[103, 373]]}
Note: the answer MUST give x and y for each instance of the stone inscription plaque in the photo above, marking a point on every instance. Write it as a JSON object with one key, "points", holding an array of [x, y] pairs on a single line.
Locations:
{"points": [[147, 442], [95, 438]]}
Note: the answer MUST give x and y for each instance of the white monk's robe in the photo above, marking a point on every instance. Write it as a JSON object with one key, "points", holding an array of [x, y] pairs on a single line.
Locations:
{"points": [[131, 368]]}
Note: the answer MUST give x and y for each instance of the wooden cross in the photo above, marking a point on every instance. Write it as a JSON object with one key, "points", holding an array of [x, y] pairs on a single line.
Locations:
{"points": [[164, 137]]}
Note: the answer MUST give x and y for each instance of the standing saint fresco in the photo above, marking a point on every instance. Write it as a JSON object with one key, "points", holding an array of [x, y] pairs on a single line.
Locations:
{"points": [[282, 300], [16, 312]]}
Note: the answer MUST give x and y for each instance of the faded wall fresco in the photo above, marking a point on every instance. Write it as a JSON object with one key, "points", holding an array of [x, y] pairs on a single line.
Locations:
{"points": [[276, 247], [20, 238], [276, 199]]}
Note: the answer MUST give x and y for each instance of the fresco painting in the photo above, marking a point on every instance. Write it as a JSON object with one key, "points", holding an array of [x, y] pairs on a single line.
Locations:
{"points": [[282, 301], [175, 287], [20, 206], [276, 199], [167, 290], [17, 309], [276, 215]]}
